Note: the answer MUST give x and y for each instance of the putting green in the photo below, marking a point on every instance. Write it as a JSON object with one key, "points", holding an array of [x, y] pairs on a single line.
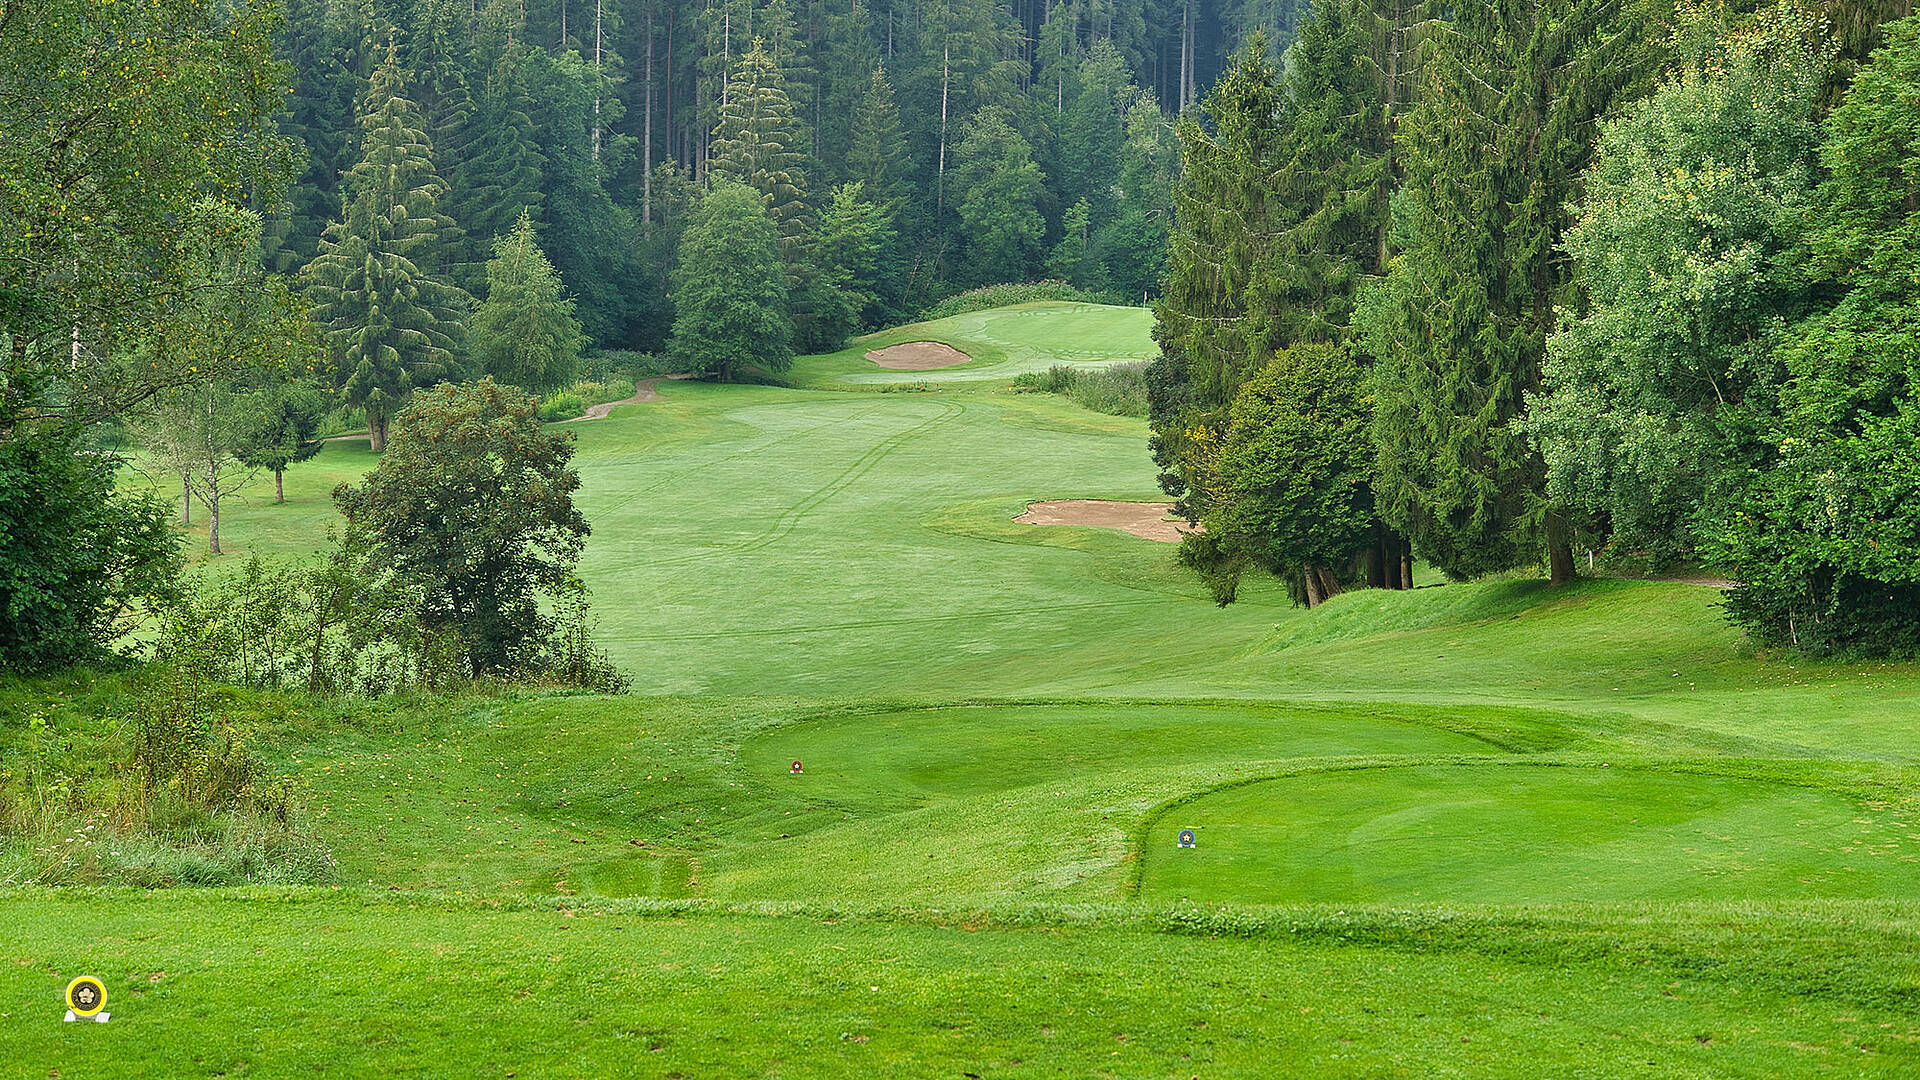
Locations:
{"points": [[1003, 342], [1520, 834], [923, 753]]}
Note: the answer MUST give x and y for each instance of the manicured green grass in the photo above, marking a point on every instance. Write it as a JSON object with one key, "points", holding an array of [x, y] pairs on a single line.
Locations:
{"points": [[1003, 342], [361, 985], [1003, 726], [1501, 834]]}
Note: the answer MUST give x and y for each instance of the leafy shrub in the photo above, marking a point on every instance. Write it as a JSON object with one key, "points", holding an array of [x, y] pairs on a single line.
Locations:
{"points": [[1119, 390], [608, 363], [562, 405], [598, 392], [156, 785], [994, 296]]}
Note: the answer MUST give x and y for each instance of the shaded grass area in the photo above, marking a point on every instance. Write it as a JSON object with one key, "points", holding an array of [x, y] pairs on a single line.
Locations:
{"points": [[652, 989]]}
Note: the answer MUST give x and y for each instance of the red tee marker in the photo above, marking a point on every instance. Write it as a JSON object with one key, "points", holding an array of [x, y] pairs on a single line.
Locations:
{"points": [[796, 770]]}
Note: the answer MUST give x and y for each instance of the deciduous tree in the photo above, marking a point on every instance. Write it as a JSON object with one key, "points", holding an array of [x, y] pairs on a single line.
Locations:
{"points": [[473, 505], [730, 289]]}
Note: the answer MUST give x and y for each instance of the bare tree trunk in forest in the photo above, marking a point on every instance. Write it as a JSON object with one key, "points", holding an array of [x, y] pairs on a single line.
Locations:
{"points": [[279, 485], [670, 153], [563, 22], [598, 84], [1186, 54], [1312, 579], [1406, 564], [186, 497], [646, 156], [212, 499], [940, 185]]}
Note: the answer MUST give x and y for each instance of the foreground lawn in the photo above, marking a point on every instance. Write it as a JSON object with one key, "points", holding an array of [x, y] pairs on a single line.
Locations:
{"points": [[401, 985], [1003, 727]]}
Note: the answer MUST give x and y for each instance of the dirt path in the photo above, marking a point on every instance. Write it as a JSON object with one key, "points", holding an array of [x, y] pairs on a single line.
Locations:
{"points": [[1145, 520], [642, 391]]}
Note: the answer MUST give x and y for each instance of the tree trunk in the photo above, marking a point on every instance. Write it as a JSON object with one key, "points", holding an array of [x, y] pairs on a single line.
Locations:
{"points": [[940, 183], [213, 513], [1329, 585], [1406, 564], [1312, 580], [598, 84], [377, 433], [1377, 560], [186, 499], [646, 155], [279, 486], [1560, 569]]}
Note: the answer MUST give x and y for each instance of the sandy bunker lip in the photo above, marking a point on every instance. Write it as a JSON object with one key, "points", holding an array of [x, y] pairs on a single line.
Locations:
{"points": [[1143, 519], [918, 356]]}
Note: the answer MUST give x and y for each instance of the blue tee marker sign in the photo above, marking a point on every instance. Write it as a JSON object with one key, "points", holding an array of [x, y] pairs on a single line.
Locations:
{"points": [[1186, 837]]}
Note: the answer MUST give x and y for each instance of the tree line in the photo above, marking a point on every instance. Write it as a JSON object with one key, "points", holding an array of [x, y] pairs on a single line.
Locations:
{"points": [[1487, 284], [905, 152]]}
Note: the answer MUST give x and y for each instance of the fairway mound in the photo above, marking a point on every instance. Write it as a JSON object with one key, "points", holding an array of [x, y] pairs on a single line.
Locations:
{"points": [[918, 356], [1145, 520]]}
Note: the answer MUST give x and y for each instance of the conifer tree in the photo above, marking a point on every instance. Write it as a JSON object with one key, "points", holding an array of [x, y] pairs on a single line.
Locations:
{"points": [[879, 163], [849, 60], [878, 158], [390, 323], [1070, 260], [525, 333], [1334, 182], [844, 257], [1213, 318], [1492, 153], [757, 143], [500, 176], [1091, 135]]}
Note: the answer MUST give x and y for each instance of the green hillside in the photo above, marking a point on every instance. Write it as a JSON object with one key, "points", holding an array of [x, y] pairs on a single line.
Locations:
{"points": [[1487, 830]]}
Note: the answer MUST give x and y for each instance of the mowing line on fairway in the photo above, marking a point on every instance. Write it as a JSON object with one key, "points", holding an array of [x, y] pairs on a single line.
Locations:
{"points": [[790, 518], [751, 450]]}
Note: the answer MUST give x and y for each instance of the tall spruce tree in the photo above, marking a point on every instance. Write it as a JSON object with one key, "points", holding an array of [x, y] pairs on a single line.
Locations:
{"points": [[391, 324], [500, 176], [1492, 154], [525, 333], [758, 143], [1213, 322]]}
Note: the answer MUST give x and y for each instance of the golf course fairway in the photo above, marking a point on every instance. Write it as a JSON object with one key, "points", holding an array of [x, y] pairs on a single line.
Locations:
{"points": [[1479, 830]]}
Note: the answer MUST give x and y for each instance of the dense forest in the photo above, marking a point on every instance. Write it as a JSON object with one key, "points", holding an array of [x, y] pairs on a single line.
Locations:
{"points": [[1485, 285], [989, 141]]}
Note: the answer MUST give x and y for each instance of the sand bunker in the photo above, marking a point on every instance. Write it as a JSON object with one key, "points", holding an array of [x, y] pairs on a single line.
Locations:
{"points": [[918, 356], [1145, 520]]}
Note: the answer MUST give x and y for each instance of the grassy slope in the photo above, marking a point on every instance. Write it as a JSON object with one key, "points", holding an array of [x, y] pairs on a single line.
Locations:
{"points": [[1003, 342], [994, 715]]}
